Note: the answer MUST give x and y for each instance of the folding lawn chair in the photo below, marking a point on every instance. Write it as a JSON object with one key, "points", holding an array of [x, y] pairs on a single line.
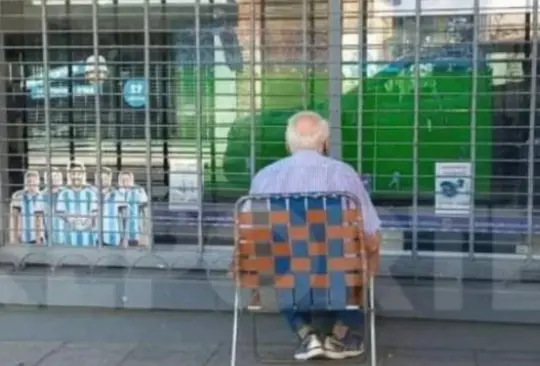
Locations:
{"points": [[310, 251]]}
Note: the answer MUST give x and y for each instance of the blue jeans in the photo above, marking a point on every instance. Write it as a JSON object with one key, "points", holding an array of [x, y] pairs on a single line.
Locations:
{"points": [[353, 319]]}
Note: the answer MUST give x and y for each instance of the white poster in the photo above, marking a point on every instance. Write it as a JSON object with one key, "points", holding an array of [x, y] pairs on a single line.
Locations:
{"points": [[452, 188], [400, 8], [184, 190]]}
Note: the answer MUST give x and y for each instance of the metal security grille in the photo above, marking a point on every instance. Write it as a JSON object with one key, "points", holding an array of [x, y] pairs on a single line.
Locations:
{"points": [[435, 105]]}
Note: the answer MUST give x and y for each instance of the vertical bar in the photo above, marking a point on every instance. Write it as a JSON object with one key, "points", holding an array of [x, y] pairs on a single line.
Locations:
{"points": [[334, 76], [305, 57], [474, 99], [361, 30], [252, 88], [71, 108], [532, 134], [416, 126], [119, 82], [97, 110], [199, 120], [5, 184], [147, 123], [47, 117]]}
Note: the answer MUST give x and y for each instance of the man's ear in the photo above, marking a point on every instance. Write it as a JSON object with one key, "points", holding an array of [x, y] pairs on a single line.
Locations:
{"points": [[326, 148]]}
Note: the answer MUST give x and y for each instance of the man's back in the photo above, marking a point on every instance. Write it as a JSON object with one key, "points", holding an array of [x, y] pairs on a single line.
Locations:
{"points": [[308, 171]]}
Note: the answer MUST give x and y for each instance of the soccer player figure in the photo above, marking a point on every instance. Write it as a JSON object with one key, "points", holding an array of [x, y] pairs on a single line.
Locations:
{"points": [[112, 210], [77, 205], [136, 225], [26, 215], [53, 225]]}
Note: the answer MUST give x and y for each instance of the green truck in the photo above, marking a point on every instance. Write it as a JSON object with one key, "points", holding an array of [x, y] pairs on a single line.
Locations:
{"points": [[386, 120]]}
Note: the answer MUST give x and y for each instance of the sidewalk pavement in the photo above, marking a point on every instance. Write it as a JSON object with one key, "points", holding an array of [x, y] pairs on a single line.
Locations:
{"points": [[82, 337]]}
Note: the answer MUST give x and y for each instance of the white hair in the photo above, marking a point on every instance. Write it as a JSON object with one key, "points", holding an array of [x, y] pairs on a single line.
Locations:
{"points": [[307, 141]]}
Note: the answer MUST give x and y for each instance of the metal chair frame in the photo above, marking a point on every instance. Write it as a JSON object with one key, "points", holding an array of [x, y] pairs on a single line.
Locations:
{"points": [[368, 296]]}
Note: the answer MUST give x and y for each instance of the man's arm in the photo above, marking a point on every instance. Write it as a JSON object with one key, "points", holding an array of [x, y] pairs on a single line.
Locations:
{"points": [[372, 223]]}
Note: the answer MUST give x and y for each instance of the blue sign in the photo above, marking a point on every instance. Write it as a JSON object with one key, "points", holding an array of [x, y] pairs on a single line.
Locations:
{"points": [[135, 93]]}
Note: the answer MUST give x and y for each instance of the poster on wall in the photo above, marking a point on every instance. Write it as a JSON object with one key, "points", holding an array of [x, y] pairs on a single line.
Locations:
{"points": [[184, 190], [452, 188]]}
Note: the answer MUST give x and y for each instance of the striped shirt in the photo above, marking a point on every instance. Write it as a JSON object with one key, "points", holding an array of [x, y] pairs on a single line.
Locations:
{"points": [[48, 202], [136, 199], [308, 171], [28, 205], [113, 202], [79, 206]]}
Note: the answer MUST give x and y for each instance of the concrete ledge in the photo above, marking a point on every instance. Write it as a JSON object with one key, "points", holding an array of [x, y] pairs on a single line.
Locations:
{"points": [[444, 299], [217, 258]]}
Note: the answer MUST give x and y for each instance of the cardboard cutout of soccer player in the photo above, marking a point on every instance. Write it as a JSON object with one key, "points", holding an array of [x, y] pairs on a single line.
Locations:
{"points": [[136, 224], [26, 212], [113, 208], [54, 225], [78, 206]]}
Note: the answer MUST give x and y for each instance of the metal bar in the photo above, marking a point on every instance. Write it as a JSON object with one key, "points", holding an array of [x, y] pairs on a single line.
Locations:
{"points": [[117, 97], [252, 88], [305, 57], [416, 126], [361, 30], [199, 120], [473, 110], [334, 75], [147, 123], [71, 108], [532, 132], [97, 110], [47, 117]]}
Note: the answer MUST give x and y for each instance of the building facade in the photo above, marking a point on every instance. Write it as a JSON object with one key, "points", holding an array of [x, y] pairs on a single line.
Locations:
{"points": [[435, 106]]}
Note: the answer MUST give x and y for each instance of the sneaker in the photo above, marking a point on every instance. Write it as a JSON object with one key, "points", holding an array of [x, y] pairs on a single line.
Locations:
{"points": [[310, 347], [339, 349]]}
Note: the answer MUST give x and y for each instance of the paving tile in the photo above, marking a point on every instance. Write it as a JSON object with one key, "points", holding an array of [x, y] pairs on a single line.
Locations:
{"points": [[508, 358], [88, 354], [25, 353], [180, 354]]}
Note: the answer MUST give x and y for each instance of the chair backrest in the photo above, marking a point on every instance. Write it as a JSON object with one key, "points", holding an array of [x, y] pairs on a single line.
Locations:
{"points": [[308, 248]]}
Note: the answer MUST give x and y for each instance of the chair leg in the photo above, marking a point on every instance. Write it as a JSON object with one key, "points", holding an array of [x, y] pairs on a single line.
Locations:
{"points": [[372, 327], [234, 344]]}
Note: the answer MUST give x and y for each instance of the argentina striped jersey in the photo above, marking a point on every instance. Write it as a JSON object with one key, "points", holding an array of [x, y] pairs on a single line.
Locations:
{"points": [[79, 206], [28, 205], [48, 202], [113, 202], [136, 199]]}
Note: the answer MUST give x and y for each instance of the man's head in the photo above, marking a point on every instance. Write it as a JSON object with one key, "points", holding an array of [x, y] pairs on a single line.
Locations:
{"points": [[105, 177], [307, 131], [57, 178], [31, 181], [76, 174], [125, 180]]}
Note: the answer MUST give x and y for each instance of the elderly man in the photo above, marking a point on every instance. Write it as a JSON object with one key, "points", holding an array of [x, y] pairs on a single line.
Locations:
{"points": [[308, 169]]}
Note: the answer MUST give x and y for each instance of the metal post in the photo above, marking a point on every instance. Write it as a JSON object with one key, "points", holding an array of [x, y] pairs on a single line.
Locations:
{"points": [[147, 123], [252, 88], [97, 110], [474, 102], [305, 57], [532, 132], [334, 76], [47, 118], [416, 127], [361, 29], [199, 119]]}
